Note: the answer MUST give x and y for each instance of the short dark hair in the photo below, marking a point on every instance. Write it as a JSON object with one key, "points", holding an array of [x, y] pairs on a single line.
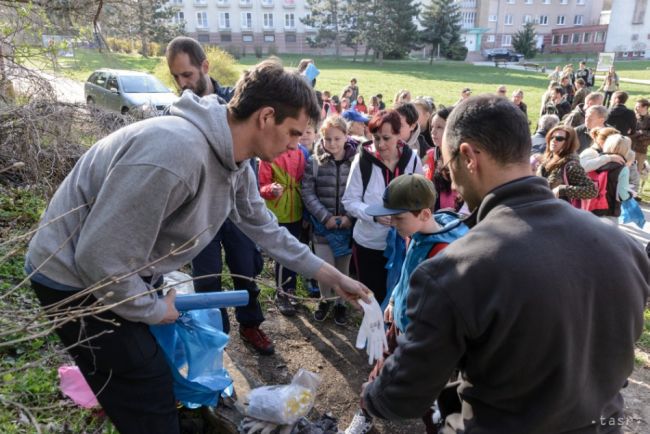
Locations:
{"points": [[560, 90], [643, 101], [493, 124], [409, 112], [620, 96], [187, 45], [268, 84], [580, 81], [385, 116]]}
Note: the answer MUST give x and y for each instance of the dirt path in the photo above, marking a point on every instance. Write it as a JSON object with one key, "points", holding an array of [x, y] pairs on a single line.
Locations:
{"points": [[329, 350]]}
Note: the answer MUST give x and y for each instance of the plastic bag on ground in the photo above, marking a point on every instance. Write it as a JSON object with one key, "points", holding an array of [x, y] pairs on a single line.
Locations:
{"points": [[74, 386], [284, 405]]}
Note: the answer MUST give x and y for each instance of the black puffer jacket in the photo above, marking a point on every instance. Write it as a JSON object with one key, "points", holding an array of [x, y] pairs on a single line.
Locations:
{"points": [[322, 196]]}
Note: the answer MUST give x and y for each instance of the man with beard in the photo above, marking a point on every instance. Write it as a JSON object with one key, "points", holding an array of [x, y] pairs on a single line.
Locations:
{"points": [[540, 327], [189, 67], [144, 201]]}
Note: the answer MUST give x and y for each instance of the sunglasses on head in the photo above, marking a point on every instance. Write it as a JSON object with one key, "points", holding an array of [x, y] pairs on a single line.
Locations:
{"points": [[559, 138]]}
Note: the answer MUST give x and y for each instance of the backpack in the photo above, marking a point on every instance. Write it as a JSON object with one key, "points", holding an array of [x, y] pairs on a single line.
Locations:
{"points": [[599, 203], [366, 171]]}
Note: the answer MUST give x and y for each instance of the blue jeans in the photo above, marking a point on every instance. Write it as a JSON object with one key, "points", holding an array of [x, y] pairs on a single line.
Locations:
{"points": [[242, 258]]}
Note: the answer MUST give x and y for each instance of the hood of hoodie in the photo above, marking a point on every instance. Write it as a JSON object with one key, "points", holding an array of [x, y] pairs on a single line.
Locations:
{"points": [[210, 117], [323, 156]]}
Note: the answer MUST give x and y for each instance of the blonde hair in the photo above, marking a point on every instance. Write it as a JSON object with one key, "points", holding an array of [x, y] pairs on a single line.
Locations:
{"points": [[334, 122], [603, 132], [617, 144]]}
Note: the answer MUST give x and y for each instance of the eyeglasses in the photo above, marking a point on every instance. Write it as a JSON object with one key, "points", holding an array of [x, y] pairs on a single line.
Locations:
{"points": [[445, 167], [558, 138]]}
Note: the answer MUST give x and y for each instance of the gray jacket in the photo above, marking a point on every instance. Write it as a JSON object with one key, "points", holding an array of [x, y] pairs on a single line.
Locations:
{"points": [[147, 199], [322, 196]]}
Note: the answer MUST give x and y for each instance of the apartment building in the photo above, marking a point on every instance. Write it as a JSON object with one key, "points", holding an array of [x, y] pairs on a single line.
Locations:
{"points": [[631, 19], [247, 25], [501, 19]]}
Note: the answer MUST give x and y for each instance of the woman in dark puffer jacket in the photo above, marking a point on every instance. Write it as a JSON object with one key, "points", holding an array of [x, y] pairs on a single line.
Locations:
{"points": [[323, 186]]}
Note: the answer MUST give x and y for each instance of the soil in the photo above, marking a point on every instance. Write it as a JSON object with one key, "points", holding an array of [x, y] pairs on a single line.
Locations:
{"points": [[328, 349]]}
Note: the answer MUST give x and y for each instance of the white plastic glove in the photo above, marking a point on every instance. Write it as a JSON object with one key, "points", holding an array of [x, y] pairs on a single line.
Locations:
{"points": [[250, 425], [372, 331]]}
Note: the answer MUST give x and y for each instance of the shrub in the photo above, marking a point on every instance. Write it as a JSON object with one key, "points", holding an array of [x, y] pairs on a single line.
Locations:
{"points": [[272, 50], [222, 68]]}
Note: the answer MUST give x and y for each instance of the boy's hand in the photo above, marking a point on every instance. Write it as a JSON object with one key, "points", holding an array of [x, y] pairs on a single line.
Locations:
{"points": [[388, 314], [277, 189]]}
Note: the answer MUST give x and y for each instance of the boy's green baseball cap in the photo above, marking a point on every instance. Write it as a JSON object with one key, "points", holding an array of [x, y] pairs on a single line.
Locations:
{"points": [[412, 192]]}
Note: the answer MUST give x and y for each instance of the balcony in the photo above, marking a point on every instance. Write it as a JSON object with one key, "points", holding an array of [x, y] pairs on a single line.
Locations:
{"points": [[223, 3], [289, 4], [267, 4], [246, 3], [200, 3]]}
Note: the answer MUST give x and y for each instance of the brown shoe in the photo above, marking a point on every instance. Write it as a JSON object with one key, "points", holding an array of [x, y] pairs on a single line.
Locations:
{"points": [[257, 339]]}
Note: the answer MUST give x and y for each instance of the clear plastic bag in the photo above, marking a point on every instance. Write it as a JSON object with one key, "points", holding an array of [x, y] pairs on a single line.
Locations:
{"points": [[284, 405]]}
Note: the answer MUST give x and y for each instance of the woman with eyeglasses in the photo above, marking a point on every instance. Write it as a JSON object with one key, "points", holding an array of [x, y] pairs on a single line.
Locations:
{"points": [[561, 166], [378, 162]]}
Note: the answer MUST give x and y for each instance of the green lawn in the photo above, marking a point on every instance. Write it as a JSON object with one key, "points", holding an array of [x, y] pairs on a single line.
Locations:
{"points": [[443, 80]]}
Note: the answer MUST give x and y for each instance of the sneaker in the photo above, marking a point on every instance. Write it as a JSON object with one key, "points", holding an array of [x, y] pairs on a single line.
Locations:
{"points": [[257, 339], [284, 305], [340, 317], [361, 423], [322, 311]]}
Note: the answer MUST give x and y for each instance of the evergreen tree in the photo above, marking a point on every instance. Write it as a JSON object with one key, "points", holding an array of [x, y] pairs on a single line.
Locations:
{"points": [[326, 17], [391, 31], [524, 41], [441, 22]]}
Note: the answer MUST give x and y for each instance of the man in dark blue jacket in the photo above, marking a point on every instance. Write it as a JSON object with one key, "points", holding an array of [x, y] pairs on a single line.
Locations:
{"points": [[539, 306], [189, 67]]}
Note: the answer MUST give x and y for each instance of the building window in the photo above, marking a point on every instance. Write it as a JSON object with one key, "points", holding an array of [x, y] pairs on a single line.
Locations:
{"points": [[529, 2], [586, 38], [289, 38], [267, 3], [528, 19], [635, 37], [177, 2], [223, 2], [200, 2], [639, 11], [290, 3], [268, 20], [247, 38], [202, 20], [556, 39], [564, 2], [547, 2], [565, 39], [600, 37], [246, 3], [468, 19], [577, 20], [269, 38], [575, 38], [507, 20], [560, 20], [580, 2], [224, 20], [226, 37], [492, 18], [543, 20], [289, 21], [203, 38], [512, 2], [491, 38], [648, 35], [246, 20], [179, 17], [506, 40]]}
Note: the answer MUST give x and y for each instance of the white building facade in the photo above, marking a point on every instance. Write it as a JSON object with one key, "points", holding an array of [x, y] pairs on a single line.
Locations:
{"points": [[631, 19], [249, 26]]}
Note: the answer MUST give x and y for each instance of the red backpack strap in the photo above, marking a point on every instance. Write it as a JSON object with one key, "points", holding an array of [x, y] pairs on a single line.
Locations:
{"points": [[436, 249]]}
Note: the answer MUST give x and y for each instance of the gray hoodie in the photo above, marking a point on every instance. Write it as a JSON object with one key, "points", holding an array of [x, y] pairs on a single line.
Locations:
{"points": [[159, 186]]}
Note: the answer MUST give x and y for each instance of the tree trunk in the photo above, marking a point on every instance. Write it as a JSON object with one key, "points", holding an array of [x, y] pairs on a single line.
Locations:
{"points": [[143, 31], [431, 56], [356, 50], [365, 54], [381, 57]]}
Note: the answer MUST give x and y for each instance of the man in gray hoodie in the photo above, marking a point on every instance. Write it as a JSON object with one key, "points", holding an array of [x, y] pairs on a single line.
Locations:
{"points": [[144, 201]]}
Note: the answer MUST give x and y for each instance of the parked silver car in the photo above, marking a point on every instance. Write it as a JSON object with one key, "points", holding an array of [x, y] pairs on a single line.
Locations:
{"points": [[122, 91]]}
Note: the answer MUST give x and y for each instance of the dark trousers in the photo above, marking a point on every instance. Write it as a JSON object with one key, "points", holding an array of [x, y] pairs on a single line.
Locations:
{"points": [[242, 258], [126, 369], [287, 278], [371, 269], [608, 97]]}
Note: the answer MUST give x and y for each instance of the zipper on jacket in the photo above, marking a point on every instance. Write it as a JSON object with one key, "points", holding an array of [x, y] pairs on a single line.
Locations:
{"points": [[336, 205]]}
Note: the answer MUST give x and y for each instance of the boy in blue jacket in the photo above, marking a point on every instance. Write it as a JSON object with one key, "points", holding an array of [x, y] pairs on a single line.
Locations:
{"points": [[409, 200]]}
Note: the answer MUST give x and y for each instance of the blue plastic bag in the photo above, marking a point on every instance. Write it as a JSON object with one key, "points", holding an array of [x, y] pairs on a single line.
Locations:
{"points": [[193, 347], [631, 212]]}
